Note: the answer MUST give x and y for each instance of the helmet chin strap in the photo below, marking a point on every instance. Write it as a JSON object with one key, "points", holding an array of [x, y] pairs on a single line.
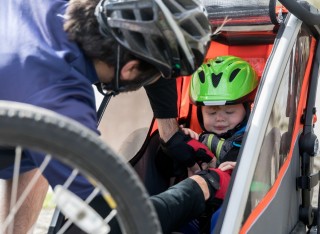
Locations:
{"points": [[116, 79], [103, 106], [110, 93]]}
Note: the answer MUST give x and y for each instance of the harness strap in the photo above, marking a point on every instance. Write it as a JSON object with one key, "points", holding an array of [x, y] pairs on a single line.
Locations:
{"points": [[219, 147]]}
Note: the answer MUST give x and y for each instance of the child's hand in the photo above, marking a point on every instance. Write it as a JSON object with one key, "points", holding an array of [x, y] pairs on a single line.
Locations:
{"points": [[190, 132], [229, 165]]}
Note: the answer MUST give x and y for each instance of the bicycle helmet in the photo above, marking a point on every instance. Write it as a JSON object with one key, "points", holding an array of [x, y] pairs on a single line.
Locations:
{"points": [[172, 35], [222, 81]]}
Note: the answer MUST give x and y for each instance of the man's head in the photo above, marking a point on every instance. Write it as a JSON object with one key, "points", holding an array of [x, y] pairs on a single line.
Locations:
{"points": [[224, 89], [168, 38]]}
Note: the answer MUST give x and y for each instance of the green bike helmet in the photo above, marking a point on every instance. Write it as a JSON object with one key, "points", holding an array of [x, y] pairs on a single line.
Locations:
{"points": [[223, 80]]}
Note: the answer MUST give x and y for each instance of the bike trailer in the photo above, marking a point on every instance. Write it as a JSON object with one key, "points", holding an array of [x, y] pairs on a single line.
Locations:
{"points": [[273, 182]]}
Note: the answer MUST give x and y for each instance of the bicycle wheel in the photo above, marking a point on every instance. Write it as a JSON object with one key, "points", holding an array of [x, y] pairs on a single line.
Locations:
{"points": [[28, 127]]}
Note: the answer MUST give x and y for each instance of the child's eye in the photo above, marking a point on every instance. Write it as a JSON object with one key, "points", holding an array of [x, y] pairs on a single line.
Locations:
{"points": [[229, 112]]}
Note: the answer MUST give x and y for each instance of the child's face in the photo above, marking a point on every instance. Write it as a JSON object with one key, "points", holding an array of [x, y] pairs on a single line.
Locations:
{"points": [[220, 119]]}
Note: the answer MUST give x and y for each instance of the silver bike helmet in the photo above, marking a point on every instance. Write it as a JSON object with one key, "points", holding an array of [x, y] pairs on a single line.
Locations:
{"points": [[172, 35]]}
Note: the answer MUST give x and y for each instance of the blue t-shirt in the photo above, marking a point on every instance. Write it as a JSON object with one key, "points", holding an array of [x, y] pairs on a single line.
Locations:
{"points": [[39, 65]]}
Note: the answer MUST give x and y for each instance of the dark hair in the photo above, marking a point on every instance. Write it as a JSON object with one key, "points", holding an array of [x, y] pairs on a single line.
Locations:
{"points": [[83, 28]]}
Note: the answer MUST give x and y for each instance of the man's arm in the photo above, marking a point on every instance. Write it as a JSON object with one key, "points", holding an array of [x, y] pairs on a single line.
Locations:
{"points": [[167, 128], [181, 202], [163, 98], [188, 199]]}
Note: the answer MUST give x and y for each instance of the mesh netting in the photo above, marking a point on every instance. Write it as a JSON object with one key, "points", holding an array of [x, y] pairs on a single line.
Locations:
{"points": [[239, 12]]}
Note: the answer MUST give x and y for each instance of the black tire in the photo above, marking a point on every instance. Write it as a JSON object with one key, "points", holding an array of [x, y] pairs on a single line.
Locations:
{"points": [[39, 129]]}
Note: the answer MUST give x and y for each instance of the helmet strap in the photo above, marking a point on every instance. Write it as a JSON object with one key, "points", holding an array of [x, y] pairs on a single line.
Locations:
{"points": [[104, 103], [109, 94], [116, 79], [112, 88]]}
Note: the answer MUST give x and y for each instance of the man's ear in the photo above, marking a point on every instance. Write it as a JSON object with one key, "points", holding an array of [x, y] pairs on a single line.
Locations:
{"points": [[130, 70]]}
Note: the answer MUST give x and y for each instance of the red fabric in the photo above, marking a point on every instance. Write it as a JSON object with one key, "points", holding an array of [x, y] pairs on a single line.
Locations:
{"points": [[225, 177], [196, 145]]}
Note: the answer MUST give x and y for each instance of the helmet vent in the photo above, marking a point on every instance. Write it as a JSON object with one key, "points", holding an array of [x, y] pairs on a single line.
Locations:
{"points": [[128, 15], [140, 42], [216, 79], [201, 76], [189, 27], [179, 6], [234, 73], [147, 14], [173, 6]]}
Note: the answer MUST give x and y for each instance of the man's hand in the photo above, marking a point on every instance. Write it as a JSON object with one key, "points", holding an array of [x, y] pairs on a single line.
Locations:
{"points": [[217, 182], [186, 150]]}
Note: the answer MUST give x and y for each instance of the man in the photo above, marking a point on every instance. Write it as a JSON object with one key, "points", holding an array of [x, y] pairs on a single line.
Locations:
{"points": [[53, 51]]}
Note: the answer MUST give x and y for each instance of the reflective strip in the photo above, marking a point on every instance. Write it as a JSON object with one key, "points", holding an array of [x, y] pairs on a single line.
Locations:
{"points": [[209, 142], [214, 103], [219, 147]]}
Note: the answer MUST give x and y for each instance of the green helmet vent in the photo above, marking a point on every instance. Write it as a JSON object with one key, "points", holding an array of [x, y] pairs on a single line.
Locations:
{"points": [[216, 79], [202, 77], [234, 74]]}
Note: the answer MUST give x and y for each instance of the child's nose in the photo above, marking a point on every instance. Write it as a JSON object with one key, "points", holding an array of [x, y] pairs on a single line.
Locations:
{"points": [[219, 117]]}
